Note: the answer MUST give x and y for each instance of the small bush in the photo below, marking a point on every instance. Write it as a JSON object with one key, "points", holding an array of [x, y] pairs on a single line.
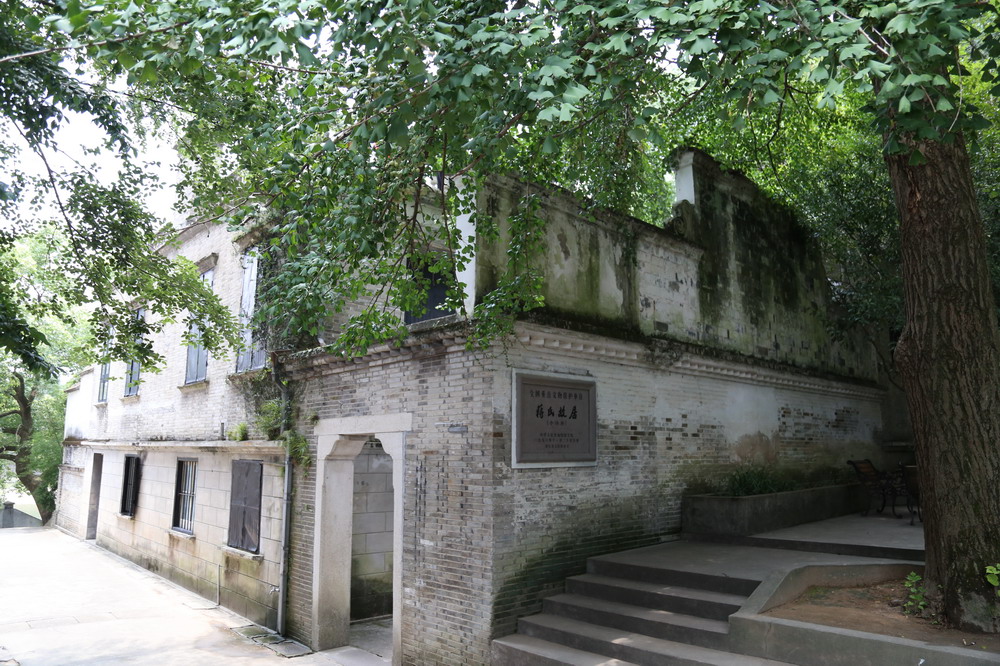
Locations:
{"points": [[755, 480], [239, 432], [269, 418]]}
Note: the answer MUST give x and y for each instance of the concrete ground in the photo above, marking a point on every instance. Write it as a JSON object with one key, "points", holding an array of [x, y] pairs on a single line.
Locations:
{"points": [[875, 529], [66, 602]]}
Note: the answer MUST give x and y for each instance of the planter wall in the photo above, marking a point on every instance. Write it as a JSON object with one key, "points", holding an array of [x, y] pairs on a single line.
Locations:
{"points": [[753, 514]]}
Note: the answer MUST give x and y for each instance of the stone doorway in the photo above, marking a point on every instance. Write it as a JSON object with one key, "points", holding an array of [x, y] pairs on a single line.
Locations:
{"points": [[339, 444], [371, 541]]}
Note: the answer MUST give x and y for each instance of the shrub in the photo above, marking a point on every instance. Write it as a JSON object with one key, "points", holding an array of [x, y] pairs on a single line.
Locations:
{"points": [[756, 480], [269, 419]]}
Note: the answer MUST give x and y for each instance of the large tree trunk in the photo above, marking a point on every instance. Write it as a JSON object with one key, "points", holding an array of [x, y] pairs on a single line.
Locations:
{"points": [[949, 360], [20, 453]]}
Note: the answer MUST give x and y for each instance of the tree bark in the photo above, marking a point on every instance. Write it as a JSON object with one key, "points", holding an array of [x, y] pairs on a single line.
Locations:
{"points": [[949, 359], [20, 454]]}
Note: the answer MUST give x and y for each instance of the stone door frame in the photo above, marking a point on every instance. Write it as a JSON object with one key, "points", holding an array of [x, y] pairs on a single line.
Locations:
{"points": [[338, 442]]}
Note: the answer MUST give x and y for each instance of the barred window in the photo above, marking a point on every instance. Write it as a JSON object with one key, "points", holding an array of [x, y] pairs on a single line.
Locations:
{"points": [[244, 505], [130, 485], [184, 495]]}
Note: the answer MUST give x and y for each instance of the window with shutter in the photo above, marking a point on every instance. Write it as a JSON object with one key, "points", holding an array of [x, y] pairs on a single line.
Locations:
{"points": [[197, 355], [133, 368], [253, 353], [433, 307], [102, 384], [244, 505], [130, 485]]}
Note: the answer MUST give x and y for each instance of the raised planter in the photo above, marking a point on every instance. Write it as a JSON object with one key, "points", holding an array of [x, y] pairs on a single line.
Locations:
{"points": [[753, 514]]}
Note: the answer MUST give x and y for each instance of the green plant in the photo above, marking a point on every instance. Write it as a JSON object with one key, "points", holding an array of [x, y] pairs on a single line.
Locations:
{"points": [[993, 577], [298, 448], [269, 419], [916, 600], [755, 480], [239, 432]]}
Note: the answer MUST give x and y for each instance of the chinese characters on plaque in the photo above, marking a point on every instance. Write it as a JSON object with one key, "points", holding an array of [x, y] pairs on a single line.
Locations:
{"points": [[556, 420]]}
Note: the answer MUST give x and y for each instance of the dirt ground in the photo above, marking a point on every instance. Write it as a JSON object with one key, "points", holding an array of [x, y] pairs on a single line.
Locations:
{"points": [[877, 609]]}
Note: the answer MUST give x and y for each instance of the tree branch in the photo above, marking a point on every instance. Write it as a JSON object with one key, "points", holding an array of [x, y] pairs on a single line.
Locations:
{"points": [[103, 42]]}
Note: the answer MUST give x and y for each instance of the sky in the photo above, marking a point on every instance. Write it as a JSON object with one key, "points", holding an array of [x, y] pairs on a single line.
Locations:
{"points": [[78, 134]]}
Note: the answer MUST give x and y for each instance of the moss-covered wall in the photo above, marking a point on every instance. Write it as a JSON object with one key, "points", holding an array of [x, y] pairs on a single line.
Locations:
{"points": [[732, 271]]}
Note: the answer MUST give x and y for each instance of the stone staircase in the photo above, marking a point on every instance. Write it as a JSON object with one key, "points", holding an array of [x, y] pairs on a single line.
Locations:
{"points": [[621, 613]]}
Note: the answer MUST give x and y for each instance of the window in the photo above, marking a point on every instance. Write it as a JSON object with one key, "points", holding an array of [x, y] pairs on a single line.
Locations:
{"points": [[197, 355], [130, 485], [244, 505], [437, 291], [253, 354], [132, 367], [102, 382], [184, 495]]}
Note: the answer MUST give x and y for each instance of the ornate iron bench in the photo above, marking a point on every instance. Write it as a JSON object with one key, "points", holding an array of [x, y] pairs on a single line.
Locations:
{"points": [[879, 485]]}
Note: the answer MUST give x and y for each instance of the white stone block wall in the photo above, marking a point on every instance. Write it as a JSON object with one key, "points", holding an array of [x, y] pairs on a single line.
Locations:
{"points": [[247, 583]]}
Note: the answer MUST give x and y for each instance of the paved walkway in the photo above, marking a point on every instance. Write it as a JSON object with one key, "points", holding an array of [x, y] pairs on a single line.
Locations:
{"points": [[65, 602], [880, 530]]}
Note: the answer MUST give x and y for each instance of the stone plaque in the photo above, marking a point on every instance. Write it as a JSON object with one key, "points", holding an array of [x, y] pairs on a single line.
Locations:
{"points": [[555, 421]]}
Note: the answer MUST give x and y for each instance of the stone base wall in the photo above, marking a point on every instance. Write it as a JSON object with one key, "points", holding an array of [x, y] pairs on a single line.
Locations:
{"points": [[68, 500], [483, 541], [245, 582], [663, 420]]}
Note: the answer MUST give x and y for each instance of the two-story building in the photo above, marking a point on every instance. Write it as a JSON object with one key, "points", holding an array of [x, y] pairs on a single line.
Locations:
{"points": [[160, 467], [456, 487]]}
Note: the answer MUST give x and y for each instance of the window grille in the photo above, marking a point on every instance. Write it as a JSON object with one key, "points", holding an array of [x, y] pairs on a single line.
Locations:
{"points": [[130, 485], [244, 505], [184, 495]]}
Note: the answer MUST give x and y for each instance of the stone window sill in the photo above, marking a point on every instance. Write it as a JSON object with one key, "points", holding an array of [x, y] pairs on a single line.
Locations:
{"points": [[200, 384], [125, 516], [246, 555], [181, 535], [101, 405], [130, 398]]}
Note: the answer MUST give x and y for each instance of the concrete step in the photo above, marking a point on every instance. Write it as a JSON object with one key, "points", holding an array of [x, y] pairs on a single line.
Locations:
{"points": [[607, 566], [687, 600], [648, 621], [520, 650], [629, 646]]}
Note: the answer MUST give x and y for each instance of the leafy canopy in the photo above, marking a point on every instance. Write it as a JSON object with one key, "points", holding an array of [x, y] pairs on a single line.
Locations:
{"points": [[101, 244], [331, 120]]}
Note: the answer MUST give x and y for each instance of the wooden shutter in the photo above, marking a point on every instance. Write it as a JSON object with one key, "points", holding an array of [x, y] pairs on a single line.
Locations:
{"points": [[130, 485], [244, 360], [244, 505]]}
